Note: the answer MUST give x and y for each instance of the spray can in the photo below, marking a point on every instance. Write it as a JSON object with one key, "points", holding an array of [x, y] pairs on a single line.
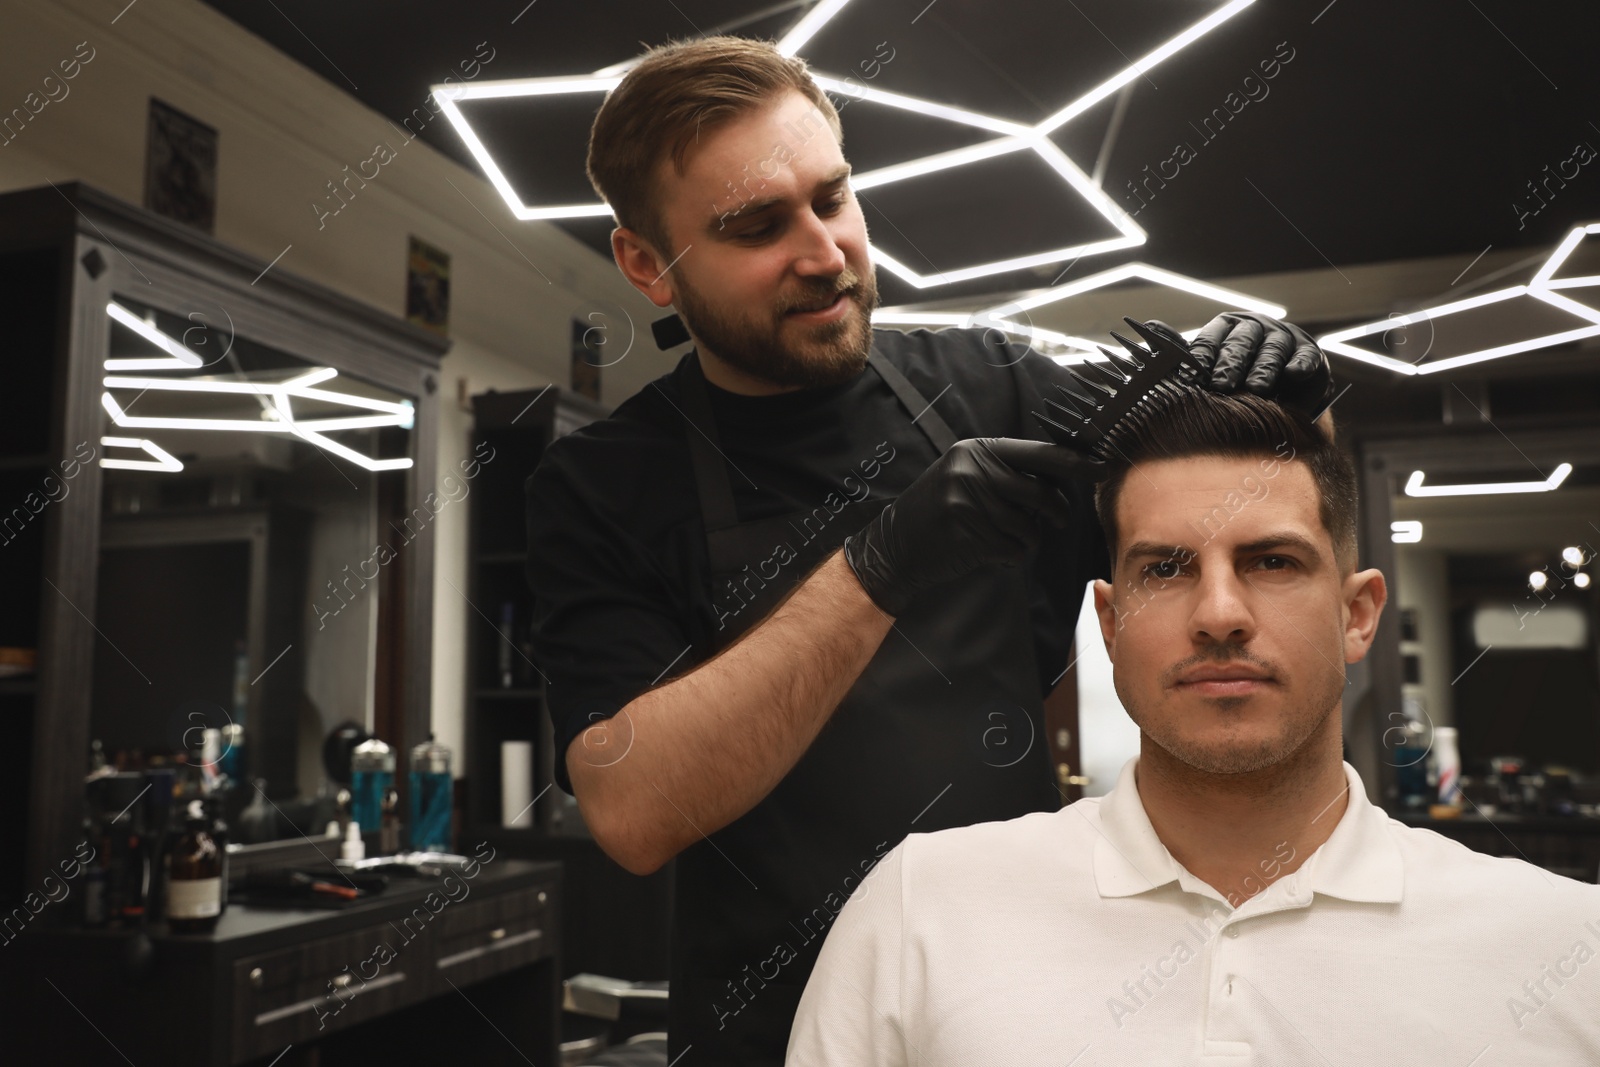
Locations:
{"points": [[1448, 758]]}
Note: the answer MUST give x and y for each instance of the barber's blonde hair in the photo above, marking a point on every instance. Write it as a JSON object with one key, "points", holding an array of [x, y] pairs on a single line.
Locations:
{"points": [[673, 96]]}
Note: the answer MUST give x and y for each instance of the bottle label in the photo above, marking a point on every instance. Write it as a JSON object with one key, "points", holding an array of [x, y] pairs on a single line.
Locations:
{"points": [[94, 900], [198, 898]]}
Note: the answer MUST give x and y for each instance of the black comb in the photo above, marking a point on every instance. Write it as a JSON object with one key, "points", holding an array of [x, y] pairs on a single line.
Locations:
{"points": [[1108, 395]]}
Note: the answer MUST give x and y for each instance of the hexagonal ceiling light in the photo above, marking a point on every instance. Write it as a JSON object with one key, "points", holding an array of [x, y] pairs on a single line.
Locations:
{"points": [[1076, 349], [1015, 137], [1542, 287]]}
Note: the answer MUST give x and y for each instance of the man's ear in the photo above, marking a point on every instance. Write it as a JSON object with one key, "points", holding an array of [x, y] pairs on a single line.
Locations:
{"points": [[1108, 616], [1365, 593], [642, 266]]}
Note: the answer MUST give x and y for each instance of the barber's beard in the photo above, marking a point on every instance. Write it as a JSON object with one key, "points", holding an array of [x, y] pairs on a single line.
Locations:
{"points": [[768, 345]]}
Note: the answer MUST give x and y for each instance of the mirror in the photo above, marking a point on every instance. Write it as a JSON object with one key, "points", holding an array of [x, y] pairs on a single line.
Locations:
{"points": [[1496, 597], [243, 579]]}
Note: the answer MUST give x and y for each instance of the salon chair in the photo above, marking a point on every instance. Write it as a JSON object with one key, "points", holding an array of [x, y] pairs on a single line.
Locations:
{"points": [[635, 1009]]}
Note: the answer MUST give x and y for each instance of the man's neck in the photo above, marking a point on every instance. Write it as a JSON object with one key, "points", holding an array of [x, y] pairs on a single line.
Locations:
{"points": [[1240, 833], [725, 376]]}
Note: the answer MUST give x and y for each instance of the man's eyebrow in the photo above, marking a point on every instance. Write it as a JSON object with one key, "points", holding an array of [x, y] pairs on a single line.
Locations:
{"points": [[1283, 539], [1280, 539], [1141, 549], [757, 207]]}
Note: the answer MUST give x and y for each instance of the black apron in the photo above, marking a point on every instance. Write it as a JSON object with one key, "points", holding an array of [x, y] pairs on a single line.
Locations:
{"points": [[944, 727]]}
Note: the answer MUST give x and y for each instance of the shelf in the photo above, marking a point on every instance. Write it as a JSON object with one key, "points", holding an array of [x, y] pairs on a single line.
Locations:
{"points": [[519, 425], [532, 833]]}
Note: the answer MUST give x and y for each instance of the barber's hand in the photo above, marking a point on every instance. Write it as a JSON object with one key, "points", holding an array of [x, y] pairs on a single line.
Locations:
{"points": [[1266, 356], [978, 505]]}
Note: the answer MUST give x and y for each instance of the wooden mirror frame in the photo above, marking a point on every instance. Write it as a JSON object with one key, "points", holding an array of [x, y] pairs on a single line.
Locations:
{"points": [[109, 247]]}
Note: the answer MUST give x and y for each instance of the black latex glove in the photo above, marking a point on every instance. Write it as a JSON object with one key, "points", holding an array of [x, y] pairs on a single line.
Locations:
{"points": [[1266, 356], [980, 504]]}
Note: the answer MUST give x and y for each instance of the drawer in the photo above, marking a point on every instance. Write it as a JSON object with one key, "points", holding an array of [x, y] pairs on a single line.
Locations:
{"points": [[480, 938], [296, 994], [479, 912]]}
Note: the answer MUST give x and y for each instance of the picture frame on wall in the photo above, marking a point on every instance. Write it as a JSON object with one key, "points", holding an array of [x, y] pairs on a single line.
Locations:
{"points": [[428, 287], [180, 177]]}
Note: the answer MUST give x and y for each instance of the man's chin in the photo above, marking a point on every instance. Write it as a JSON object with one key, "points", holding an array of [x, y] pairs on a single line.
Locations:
{"points": [[819, 376], [791, 353], [1241, 755], [831, 358]]}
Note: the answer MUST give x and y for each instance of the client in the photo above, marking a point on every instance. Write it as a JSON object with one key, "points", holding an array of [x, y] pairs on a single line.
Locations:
{"points": [[1235, 898]]}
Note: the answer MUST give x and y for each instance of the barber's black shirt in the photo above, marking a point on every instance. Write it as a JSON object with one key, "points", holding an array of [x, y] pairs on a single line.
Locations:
{"points": [[617, 555]]}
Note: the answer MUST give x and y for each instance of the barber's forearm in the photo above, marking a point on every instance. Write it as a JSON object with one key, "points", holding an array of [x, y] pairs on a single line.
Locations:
{"points": [[706, 748]]}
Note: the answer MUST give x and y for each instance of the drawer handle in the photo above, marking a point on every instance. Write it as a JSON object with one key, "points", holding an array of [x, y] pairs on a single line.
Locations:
{"points": [[497, 933], [483, 950], [255, 978], [276, 1014], [343, 980]]}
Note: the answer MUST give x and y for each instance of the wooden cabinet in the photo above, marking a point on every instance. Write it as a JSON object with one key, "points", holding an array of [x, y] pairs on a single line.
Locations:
{"points": [[484, 938], [291, 995], [1566, 845], [385, 977]]}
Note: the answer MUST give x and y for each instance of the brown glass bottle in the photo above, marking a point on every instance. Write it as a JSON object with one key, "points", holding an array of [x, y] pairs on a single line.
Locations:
{"points": [[194, 877]]}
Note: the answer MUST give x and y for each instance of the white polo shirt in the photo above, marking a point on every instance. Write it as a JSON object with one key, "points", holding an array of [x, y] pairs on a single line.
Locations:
{"points": [[1074, 938]]}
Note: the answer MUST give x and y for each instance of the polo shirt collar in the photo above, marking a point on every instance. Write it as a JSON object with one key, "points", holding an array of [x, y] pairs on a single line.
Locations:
{"points": [[1360, 861]]}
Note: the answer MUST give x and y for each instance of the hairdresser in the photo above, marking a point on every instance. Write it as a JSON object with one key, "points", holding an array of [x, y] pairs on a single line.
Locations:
{"points": [[717, 567]]}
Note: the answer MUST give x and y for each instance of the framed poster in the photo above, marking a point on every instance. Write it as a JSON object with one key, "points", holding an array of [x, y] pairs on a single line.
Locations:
{"points": [[180, 174], [428, 287]]}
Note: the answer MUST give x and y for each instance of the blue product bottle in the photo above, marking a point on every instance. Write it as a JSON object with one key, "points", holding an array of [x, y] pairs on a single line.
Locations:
{"points": [[430, 797], [231, 762], [371, 775]]}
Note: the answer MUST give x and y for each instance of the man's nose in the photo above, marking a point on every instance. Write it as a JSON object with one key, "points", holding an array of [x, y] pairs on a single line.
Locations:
{"points": [[1222, 610], [817, 248]]}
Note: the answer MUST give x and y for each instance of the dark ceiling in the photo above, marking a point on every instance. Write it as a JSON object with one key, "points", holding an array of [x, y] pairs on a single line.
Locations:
{"points": [[1395, 130]]}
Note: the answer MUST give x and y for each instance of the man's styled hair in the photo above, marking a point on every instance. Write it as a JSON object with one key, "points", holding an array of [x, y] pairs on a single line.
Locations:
{"points": [[1200, 422], [677, 93]]}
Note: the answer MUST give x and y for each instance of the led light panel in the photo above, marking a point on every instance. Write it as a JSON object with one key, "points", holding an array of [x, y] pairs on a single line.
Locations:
{"points": [[161, 459], [1405, 531], [1414, 486], [278, 418], [1014, 137], [1543, 287]]}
